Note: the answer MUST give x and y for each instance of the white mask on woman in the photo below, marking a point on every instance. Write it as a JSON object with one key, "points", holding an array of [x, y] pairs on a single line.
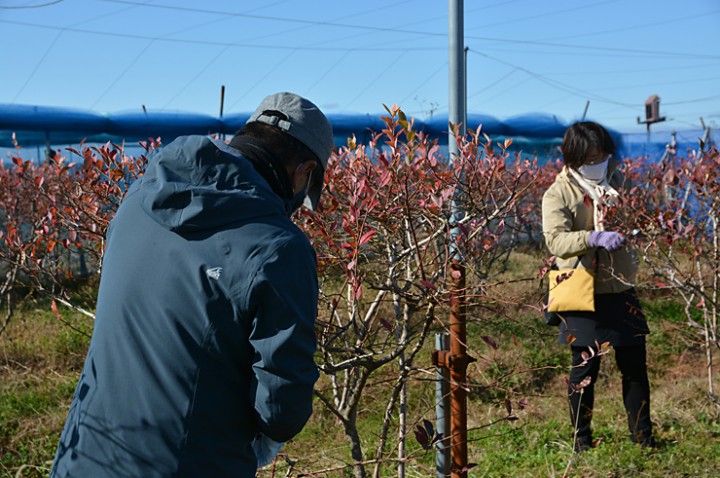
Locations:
{"points": [[594, 173]]}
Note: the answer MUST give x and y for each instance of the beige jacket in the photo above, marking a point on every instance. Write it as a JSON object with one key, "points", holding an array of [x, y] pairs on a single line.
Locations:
{"points": [[567, 222]]}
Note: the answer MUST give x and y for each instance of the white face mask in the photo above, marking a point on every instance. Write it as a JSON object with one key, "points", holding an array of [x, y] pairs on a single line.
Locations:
{"points": [[595, 173]]}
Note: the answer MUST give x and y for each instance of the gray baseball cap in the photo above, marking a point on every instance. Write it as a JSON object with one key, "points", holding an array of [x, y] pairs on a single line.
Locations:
{"points": [[306, 123]]}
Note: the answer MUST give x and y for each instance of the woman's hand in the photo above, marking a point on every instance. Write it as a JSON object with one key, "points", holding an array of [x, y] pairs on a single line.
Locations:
{"points": [[609, 240]]}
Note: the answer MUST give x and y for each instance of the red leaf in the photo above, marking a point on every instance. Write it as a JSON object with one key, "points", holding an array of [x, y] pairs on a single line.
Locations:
{"points": [[428, 285], [366, 237], [54, 307], [508, 406], [422, 437]]}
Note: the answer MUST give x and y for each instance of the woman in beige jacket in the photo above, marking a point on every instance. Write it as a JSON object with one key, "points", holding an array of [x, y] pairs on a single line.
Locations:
{"points": [[573, 227]]}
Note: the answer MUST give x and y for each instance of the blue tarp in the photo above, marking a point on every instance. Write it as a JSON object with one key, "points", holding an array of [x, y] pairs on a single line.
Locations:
{"points": [[534, 133]]}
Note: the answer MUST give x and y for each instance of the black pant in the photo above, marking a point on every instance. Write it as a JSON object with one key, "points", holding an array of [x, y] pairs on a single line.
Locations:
{"points": [[631, 360]]}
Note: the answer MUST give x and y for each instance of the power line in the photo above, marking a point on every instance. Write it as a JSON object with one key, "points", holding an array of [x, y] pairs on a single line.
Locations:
{"points": [[662, 54], [377, 78], [624, 71], [673, 20], [327, 72], [248, 90], [202, 70], [17, 7], [432, 75], [37, 66], [122, 73], [549, 14], [197, 75], [52, 44], [271, 18], [556, 84], [493, 83], [697, 100], [207, 42]]}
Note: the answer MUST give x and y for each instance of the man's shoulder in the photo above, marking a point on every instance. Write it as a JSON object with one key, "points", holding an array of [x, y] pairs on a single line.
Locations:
{"points": [[273, 231]]}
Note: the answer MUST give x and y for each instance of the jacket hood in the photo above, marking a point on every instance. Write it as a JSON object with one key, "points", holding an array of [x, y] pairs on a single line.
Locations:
{"points": [[196, 183]]}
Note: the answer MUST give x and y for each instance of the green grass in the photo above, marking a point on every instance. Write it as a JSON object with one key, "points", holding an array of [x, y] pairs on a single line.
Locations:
{"points": [[40, 360]]}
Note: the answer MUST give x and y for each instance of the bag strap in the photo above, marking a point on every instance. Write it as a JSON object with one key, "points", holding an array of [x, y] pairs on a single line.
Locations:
{"points": [[597, 261]]}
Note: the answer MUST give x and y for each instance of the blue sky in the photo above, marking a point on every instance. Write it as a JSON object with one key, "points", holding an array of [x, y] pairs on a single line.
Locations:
{"points": [[524, 56]]}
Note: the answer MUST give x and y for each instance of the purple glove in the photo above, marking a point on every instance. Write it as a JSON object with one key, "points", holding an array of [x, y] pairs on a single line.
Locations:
{"points": [[606, 239]]}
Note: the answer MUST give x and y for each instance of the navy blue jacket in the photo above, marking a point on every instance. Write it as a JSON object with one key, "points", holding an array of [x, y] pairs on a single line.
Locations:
{"points": [[204, 331]]}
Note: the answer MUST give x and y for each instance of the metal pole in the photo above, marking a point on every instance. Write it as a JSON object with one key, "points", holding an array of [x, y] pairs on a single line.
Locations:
{"points": [[222, 99], [222, 106], [402, 421], [587, 105], [442, 422], [457, 360], [456, 72]]}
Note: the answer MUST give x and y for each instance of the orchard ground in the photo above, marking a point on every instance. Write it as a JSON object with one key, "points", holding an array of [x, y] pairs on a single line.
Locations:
{"points": [[41, 358]]}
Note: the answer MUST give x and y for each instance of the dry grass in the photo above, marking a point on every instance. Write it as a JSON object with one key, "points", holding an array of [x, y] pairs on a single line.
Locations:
{"points": [[40, 359]]}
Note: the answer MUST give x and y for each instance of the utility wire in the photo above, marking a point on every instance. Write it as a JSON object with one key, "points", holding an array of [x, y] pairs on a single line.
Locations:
{"points": [[17, 7], [270, 18], [197, 75], [37, 66], [425, 33], [547, 14], [52, 44], [430, 77], [212, 43], [272, 70], [493, 83], [122, 73], [384, 48], [377, 78], [697, 100], [643, 70], [673, 20], [215, 58], [327, 72], [556, 84]]}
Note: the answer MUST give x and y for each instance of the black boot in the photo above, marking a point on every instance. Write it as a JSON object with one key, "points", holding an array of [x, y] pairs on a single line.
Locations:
{"points": [[643, 438], [582, 444]]}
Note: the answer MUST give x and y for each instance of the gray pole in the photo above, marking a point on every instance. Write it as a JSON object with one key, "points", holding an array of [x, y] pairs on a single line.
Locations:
{"points": [[456, 361], [456, 96], [442, 411], [456, 71]]}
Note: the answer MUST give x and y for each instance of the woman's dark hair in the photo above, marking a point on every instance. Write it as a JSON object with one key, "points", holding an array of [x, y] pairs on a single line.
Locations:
{"points": [[580, 138], [286, 148]]}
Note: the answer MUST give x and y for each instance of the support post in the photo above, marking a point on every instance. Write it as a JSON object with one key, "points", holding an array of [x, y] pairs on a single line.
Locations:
{"points": [[457, 359], [222, 106], [442, 410]]}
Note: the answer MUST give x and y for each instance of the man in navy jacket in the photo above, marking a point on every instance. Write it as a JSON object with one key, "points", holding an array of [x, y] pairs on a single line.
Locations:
{"points": [[201, 360]]}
